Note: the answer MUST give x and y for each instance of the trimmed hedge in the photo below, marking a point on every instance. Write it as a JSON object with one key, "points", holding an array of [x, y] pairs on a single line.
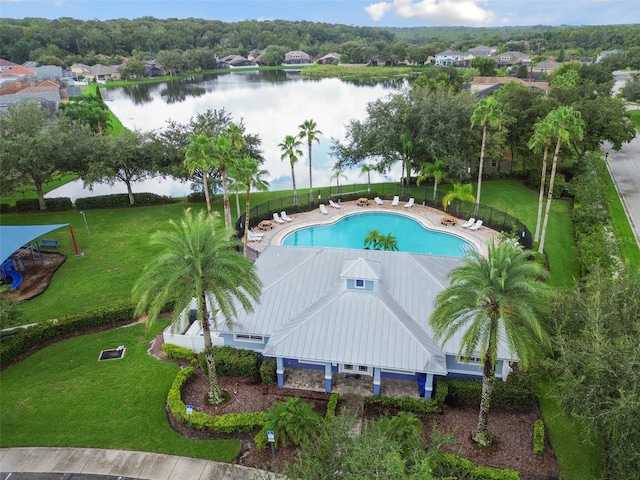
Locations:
{"points": [[228, 423], [538, 437], [53, 204], [518, 389], [233, 362], [30, 338], [446, 465], [121, 200], [268, 371], [406, 404], [179, 353]]}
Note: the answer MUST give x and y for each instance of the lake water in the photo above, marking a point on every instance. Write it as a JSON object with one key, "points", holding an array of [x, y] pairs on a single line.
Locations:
{"points": [[271, 105]]}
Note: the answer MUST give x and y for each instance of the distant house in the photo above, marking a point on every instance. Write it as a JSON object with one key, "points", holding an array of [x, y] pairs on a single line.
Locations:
{"points": [[46, 94], [236, 61], [483, 86], [153, 69], [336, 312], [296, 57], [482, 51], [329, 59], [254, 55], [509, 59], [98, 72], [448, 58], [546, 66], [9, 69]]}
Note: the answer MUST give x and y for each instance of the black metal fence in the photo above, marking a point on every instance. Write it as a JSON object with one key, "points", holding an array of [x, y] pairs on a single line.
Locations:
{"points": [[491, 217]]}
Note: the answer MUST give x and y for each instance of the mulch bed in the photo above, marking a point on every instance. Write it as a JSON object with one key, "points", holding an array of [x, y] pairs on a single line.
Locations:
{"points": [[38, 275], [511, 427]]}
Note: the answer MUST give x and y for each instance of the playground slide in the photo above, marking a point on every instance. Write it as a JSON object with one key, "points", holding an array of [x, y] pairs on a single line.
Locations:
{"points": [[16, 280], [10, 275]]}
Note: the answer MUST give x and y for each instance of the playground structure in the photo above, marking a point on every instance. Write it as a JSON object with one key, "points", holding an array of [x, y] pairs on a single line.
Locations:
{"points": [[10, 274]]}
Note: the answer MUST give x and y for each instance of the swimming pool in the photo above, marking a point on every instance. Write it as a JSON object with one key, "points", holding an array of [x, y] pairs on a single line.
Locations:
{"points": [[350, 231]]}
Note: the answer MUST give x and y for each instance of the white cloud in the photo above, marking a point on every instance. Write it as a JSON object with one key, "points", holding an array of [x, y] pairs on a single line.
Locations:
{"points": [[452, 12], [377, 10]]}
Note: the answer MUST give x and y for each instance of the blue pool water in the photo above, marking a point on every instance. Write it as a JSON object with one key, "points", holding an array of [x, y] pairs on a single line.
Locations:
{"points": [[350, 232]]}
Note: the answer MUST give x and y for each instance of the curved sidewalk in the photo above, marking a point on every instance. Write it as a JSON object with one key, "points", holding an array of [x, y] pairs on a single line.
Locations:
{"points": [[122, 464]]}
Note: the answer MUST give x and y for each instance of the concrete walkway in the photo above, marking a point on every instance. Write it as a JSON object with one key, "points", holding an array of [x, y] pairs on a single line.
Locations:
{"points": [[96, 463]]}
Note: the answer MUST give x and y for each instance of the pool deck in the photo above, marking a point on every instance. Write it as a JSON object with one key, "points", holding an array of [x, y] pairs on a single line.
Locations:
{"points": [[426, 216]]}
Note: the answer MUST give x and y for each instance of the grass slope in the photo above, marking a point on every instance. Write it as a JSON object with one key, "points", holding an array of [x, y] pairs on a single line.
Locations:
{"points": [[63, 396]]}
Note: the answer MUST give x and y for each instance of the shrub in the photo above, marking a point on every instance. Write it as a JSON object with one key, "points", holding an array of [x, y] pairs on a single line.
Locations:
{"points": [[229, 423], [268, 371], [518, 389], [332, 405], [538, 437], [103, 317], [446, 465], [178, 353], [407, 404], [293, 419], [121, 200], [52, 204], [441, 392], [261, 440], [233, 362]]}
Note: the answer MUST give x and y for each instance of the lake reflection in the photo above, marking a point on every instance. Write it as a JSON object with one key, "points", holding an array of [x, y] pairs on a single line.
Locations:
{"points": [[271, 105]]}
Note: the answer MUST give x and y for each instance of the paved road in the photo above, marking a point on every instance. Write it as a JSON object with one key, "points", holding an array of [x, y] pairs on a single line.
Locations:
{"points": [[101, 464]]}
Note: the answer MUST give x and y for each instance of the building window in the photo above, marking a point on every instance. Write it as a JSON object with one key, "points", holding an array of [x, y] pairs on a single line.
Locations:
{"points": [[359, 283], [464, 359], [362, 368], [243, 337], [347, 366]]}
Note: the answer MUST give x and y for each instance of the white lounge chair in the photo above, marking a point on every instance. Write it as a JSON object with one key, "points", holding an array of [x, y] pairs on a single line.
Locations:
{"points": [[323, 209], [468, 223], [378, 201], [396, 201], [334, 204], [285, 217], [256, 234], [252, 237], [476, 225], [410, 203], [276, 218]]}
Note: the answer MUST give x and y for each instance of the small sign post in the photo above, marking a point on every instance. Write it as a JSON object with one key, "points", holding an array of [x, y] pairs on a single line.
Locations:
{"points": [[271, 436], [189, 413]]}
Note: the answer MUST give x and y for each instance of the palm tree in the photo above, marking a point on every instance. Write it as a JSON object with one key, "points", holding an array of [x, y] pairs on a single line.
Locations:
{"points": [[308, 130], [290, 147], [366, 168], [433, 170], [498, 296], [198, 156], [224, 154], [338, 174], [488, 113], [247, 172], [542, 136], [379, 241], [568, 125], [460, 192], [196, 262]]}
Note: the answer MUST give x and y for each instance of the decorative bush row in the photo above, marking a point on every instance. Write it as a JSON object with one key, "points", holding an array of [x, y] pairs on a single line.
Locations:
{"points": [[176, 352], [406, 404], [52, 204], [233, 362], [538, 437], [447, 465], [120, 200], [29, 338], [228, 423], [268, 371], [332, 405], [518, 389]]}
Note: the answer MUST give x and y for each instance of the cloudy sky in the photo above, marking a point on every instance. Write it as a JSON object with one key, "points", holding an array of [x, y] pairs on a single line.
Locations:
{"points": [[391, 13]]}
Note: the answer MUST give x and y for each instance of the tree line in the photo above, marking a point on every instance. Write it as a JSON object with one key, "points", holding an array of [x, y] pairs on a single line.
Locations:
{"points": [[65, 41]]}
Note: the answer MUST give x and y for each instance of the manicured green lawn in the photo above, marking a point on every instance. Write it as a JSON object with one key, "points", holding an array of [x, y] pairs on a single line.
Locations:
{"points": [[63, 396], [29, 191]]}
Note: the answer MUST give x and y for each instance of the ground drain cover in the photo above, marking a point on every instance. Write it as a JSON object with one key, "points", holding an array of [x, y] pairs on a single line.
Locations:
{"points": [[112, 354]]}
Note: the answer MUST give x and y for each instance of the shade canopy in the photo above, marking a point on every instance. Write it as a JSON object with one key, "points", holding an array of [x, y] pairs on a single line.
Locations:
{"points": [[14, 237]]}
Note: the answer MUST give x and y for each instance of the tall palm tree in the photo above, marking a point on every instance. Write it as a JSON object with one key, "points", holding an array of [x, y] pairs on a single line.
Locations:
{"points": [[493, 297], [461, 192], [542, 137], [290, 147], [488, 113], [433, 170], [338, 174], [568, 125], [199, 156], [308, 130], [225, 153], [247, 171], [196, 262], [366, 168]]}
